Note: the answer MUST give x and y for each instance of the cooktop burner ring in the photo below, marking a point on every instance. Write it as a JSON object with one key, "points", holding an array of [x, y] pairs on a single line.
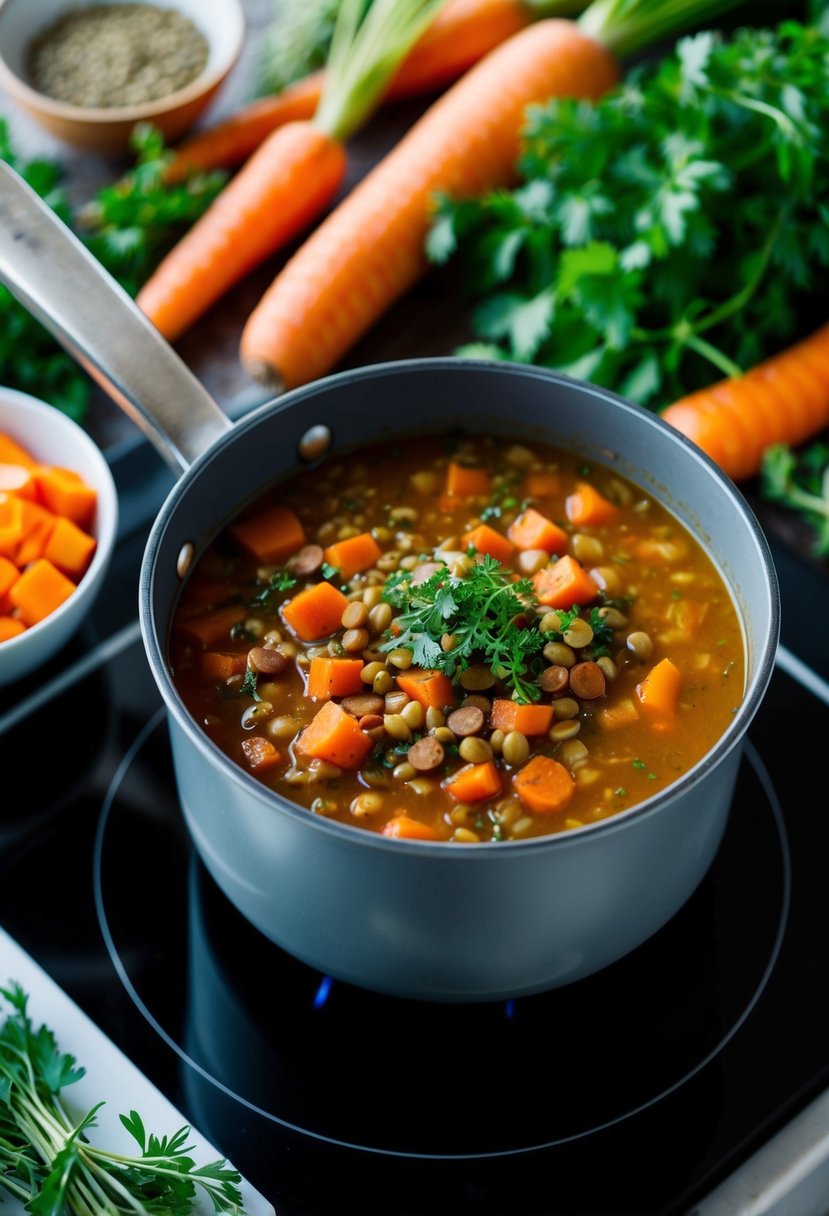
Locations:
{"points": [[752, 763]]}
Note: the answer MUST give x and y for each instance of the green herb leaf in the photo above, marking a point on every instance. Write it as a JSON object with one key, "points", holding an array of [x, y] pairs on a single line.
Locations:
{"points": [[669, 233]]}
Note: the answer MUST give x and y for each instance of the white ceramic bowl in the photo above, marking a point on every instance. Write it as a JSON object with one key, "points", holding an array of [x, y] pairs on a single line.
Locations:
{"points": [[53, 438], [107, 130]]}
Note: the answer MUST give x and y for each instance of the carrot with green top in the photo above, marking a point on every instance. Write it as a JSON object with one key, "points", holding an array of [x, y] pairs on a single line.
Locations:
{"points": [[371, 248], [293, 176], [461, 34]]}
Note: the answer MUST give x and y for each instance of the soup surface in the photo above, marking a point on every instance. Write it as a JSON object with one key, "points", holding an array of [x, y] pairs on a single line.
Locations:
{"points": [[454, 638]]}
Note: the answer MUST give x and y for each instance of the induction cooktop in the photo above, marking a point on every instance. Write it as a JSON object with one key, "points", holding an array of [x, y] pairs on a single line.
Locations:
{"points": [[637, 1090]]}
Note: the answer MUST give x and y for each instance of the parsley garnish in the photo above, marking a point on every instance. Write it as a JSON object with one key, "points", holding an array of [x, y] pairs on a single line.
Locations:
{"points": [[329, 571], [484, 612], [279, 581]]}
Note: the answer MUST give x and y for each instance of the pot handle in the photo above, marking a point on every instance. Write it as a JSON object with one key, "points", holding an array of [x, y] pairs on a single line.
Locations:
{"points": [[56, 278]]}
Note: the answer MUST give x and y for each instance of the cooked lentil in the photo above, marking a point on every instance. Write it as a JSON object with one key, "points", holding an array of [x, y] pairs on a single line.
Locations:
{"points": [[454, 748]]}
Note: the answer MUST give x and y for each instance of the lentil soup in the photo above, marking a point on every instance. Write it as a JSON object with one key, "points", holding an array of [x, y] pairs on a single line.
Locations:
{"points": [[450, 638]]}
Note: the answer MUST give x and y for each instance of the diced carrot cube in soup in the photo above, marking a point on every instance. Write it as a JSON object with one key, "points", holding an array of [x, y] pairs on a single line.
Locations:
{"points": [[271, 536], [334, 677], [565, 583], [541, 485], [467, 481], [544, 786], [209, 629], [586, 506], [335, 736], [474, 782], [431, 688], [529, 719], [315, 612], [532, 530], [353, 555], [216, 665], [487, 540], [403, 827], [659, 691]]}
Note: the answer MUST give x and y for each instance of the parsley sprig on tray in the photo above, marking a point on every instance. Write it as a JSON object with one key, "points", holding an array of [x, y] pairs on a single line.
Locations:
{"points": [[49, 1161]]}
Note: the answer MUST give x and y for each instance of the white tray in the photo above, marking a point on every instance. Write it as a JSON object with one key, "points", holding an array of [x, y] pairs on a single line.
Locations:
{"points": [[110, 1077]]}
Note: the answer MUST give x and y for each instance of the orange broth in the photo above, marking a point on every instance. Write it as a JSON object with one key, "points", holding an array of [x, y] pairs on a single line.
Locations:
{"points": [[458, 639]]}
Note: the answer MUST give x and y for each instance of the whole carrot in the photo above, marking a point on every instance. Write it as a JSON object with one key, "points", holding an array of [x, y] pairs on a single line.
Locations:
{"points": [[461, 34], [370, 250], [292, 176], [784, 399]]}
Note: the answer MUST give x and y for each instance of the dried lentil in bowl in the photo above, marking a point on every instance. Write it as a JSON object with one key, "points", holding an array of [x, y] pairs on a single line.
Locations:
{"points": [[111, 55], [427, 686]]}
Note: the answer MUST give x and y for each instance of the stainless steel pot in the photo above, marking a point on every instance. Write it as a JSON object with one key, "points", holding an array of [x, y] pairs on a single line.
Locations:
{"points": [[432, 921]]}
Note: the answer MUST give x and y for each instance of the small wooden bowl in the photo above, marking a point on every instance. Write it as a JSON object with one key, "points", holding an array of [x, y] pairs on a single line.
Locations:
{"points": [[107, 131]]}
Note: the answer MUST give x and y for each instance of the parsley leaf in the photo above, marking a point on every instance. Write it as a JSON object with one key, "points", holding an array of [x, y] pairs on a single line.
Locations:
{"points": [[484, 612], [672, 232]]}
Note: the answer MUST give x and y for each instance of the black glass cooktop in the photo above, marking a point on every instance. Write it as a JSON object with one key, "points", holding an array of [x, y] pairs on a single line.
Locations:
{"points": [[634, 1091]]}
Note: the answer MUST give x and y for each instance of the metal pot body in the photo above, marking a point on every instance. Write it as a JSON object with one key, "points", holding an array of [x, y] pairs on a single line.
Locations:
{"points": [[440, 921]]}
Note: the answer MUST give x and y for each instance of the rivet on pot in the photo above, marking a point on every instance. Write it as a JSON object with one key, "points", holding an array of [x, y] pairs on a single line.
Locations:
{"points": [[314, 443], [185, 558]]}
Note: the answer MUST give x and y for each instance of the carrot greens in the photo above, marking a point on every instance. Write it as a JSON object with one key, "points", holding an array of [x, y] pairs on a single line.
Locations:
{"points": [[800, 482], [672, 232], [49, 1162]]}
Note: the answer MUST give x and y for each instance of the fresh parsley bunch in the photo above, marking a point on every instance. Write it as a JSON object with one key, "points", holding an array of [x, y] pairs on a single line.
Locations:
{"points": [[48, 1161], [670, 233]]}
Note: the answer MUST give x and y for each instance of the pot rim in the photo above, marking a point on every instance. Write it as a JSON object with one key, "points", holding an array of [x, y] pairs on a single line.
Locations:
{"points": [[155, 647]]}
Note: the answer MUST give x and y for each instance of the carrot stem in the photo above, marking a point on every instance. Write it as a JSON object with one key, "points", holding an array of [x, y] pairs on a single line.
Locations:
{"points": [[627, 26]]}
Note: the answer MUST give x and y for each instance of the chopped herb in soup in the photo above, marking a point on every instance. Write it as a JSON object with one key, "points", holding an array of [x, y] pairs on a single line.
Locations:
{"points": [[459, 640]]}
